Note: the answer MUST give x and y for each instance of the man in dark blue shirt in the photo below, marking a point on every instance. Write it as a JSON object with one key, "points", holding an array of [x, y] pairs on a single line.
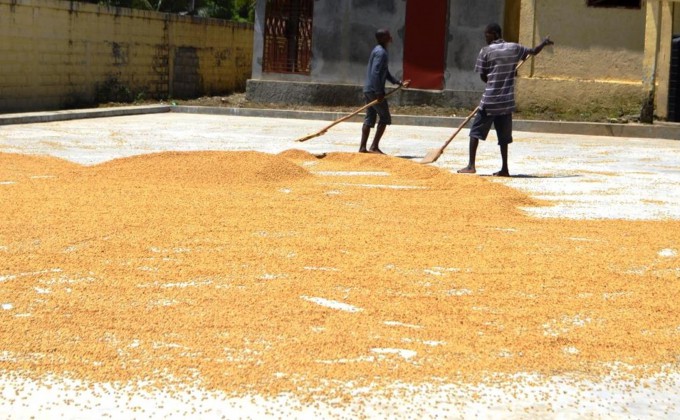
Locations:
{"points": [[377, 74]]}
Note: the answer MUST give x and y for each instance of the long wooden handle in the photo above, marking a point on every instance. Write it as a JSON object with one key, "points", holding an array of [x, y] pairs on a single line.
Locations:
{"points": [[521, 63], [472, 114], [346, 117], [460, 127]]}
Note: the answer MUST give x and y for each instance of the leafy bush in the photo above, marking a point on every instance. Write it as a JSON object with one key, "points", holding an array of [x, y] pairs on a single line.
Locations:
{"points": [[236, 10]]}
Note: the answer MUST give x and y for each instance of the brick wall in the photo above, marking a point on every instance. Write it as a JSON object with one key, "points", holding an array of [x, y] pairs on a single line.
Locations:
{"points": [[59, 54]]}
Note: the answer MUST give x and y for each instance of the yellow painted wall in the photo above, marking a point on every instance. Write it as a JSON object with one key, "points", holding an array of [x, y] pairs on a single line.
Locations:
{"points": [[597, 59], [59, 54], [592, 43]]}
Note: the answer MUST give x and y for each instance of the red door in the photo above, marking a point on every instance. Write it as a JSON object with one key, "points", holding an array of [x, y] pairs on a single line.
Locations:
{"points": [[425, 43]]}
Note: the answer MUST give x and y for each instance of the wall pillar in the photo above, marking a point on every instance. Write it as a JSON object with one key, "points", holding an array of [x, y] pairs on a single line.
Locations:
{"points": [[527, 31], [657, 58], [664, 60]]}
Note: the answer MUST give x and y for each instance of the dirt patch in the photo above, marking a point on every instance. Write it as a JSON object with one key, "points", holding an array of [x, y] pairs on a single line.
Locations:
{"points": [[328, 270], [621, 112]]}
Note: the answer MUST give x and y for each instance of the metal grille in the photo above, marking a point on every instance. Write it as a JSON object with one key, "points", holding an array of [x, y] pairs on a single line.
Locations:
{"points": [[631, 4], [674, 85], [288, 36]]}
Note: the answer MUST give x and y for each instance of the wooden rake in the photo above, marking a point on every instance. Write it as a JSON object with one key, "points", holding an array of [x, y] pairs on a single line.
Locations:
{"points": [[346, 117], [434, 154]]}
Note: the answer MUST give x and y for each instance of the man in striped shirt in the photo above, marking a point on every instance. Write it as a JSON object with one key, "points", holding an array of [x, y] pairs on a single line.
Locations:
{"points": [[496, 65]]}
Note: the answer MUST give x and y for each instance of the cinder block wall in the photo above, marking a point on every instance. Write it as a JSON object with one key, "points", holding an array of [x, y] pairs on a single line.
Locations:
{"points": [[59, 54]]}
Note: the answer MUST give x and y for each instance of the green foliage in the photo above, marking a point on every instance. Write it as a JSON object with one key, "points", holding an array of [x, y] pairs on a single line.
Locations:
{"points": [[245, 10], [234, 10], [221, 9], [113, 90]]}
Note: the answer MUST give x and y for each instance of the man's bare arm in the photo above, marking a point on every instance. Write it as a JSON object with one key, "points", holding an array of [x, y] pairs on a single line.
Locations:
{"points": [[538, 48]]}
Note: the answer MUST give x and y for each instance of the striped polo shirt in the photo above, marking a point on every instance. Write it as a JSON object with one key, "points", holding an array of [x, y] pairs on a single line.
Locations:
{"points": [[498, 61]]}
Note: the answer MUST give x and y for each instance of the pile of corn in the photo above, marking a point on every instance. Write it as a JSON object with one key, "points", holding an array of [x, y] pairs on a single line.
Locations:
{"points": [[256, 273]]}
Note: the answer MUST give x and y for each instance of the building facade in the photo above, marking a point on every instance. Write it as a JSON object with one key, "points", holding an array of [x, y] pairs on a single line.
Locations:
{"points": [[607, 52]]}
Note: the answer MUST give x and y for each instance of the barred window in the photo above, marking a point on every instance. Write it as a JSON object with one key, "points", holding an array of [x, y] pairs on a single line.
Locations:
{"points": [[630, 4], [288, 36]]}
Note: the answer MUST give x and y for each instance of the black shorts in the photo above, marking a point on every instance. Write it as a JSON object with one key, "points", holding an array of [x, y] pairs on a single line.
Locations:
{"points": [[482, 125], [381, 109]]}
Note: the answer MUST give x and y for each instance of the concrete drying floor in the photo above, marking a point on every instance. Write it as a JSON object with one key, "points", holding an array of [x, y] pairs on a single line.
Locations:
{"points": [[585, 176]]}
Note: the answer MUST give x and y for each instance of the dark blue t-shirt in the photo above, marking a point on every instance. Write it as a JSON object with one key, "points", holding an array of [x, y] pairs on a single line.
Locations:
{"points": [[377, 72]]}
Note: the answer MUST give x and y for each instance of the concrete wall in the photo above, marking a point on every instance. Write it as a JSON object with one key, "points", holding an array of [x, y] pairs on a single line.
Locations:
{"points": [[341, 45], [59, 54], [598, 60], [342, 39], [467, 21]]}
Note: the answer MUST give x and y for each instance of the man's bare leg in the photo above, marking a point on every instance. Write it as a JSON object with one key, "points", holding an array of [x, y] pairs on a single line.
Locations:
{"points": [[504, 156], [470, 168], [376, 140], [365, 132]]}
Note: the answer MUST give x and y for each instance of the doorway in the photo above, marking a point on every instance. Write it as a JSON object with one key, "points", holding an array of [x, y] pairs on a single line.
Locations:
{"points": [[674, 82], [425, 43], [288, 36]]}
